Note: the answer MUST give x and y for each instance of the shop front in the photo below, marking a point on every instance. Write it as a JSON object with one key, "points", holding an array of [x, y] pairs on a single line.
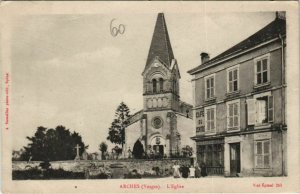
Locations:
{"points": [[210, 153]]}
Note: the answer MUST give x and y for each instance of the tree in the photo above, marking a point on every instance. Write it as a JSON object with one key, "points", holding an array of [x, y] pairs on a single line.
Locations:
{"points": [[116, 133], [117, 150], [103, 149], [53, 144], [187, 151], [37, 144], [17, 155]]}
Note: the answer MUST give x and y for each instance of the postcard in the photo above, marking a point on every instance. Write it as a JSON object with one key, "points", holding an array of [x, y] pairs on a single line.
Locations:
{"points": [[149, 97]]}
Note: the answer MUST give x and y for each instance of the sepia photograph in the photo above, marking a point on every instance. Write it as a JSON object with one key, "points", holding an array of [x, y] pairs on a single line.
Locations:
{"points": [[167, 96]]}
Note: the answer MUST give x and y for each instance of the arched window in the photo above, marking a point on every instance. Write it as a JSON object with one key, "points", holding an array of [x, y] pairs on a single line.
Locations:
{"points": [[154, 85], [161, 84], [175, 86]]}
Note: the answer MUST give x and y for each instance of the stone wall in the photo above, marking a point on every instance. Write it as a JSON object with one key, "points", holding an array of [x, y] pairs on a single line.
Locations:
{"points": [[80, 166]]}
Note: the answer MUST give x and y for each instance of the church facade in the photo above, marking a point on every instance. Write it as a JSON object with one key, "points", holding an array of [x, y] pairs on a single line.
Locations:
{"points": [[164, 126]]}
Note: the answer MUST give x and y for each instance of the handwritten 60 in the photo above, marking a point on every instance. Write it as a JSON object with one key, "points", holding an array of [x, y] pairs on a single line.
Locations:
{"points": [[114, 31]]}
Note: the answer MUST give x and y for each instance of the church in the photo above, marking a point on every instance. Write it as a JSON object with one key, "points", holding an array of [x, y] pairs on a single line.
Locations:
{"points": [[165, 124]]}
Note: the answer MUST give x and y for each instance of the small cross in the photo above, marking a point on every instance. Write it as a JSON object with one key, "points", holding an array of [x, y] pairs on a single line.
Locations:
{"points": [[77, 152]]}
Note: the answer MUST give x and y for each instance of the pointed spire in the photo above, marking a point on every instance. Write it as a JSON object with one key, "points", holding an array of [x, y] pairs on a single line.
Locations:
{"points": [[160, 44]]}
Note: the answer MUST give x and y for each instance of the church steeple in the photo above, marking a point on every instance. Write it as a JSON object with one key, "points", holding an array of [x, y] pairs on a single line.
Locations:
{"points": [[161, 74], [160, 44], [163, 110]]}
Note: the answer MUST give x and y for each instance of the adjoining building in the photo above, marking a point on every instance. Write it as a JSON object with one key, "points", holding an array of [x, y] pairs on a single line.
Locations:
{"points": [[240, 106], [165, 124]]}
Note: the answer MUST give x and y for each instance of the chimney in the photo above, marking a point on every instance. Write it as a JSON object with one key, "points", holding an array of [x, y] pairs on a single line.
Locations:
{"points": [[204, 57]]}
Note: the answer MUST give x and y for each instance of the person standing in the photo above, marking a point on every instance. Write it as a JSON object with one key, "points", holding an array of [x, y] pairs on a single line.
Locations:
{"points": [[203, 170], [129, 153], [192, 171], [185, 171], [176, 173], [197, 171]]}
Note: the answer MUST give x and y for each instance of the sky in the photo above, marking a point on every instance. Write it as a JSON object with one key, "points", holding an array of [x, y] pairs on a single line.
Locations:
{"points": [[69, 70]]}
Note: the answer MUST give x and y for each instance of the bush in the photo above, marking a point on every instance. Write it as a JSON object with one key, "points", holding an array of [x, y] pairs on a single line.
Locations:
{"points": [[117, 165], [45, 165], [33, 173], [178, 156], [133, 175], [157, 173], [99, 176], [36, 174], [62, 174], [156, 170]]}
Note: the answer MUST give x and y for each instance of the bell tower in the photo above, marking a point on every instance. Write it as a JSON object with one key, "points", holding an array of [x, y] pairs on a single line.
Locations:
{"points": [[161, 74], [161, 93]]}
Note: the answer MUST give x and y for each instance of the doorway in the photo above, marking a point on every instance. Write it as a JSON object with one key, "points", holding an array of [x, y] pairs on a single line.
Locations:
{"points": [[158, 150], [235, 159]]}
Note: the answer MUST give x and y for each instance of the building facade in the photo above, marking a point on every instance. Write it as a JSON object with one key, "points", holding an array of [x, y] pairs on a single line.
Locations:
{"points": [[164, 125], [240, 106]]}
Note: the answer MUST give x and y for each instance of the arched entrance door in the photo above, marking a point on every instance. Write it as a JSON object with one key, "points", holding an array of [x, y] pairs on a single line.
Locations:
{"points": [[158, 144]]}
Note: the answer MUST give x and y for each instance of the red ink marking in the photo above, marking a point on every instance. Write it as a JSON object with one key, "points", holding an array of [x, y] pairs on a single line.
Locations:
{"points": [[7, 79], [267, 185]]}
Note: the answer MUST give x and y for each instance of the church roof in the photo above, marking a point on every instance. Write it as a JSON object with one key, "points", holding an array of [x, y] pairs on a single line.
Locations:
{"points": [[269, 32], [160, 44], [135, 117]]}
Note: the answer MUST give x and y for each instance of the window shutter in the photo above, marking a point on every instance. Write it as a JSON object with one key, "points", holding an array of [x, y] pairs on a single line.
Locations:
{"points": [[230, 76], [251, 111], [228, 116], [236, 116], [258, 153], [206, 120], [267, 154], [213, 119], [270, 108], [212, 87]]}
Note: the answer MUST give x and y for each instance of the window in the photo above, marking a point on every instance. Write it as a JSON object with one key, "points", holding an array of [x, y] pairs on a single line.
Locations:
{"points": [[161, 84], [210, 86], [210, 119], [218, 155], [211, 155], [262, 69], [175, 86], [201, 151], [263, 154], [233, 115], [154, 85], [233, 79], [157, 122], [260, 109]]}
